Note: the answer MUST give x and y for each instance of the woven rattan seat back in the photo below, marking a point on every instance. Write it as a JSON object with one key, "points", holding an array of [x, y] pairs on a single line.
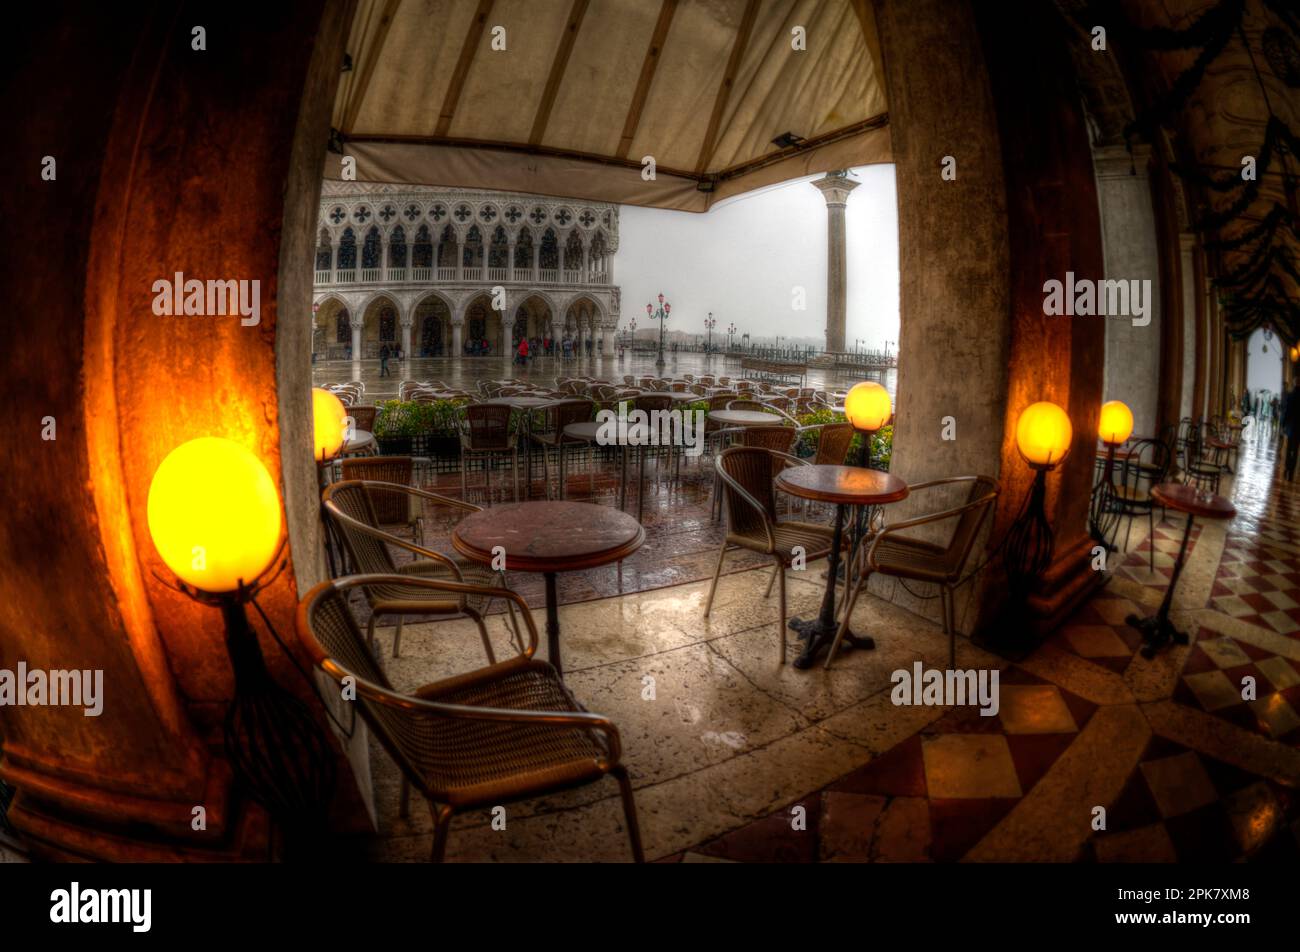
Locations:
{"points": [[389, 507], [488, 426]]}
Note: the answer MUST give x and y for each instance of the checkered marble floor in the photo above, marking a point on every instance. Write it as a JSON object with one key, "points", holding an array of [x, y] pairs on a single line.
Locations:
{"points": [[1098, 754]]}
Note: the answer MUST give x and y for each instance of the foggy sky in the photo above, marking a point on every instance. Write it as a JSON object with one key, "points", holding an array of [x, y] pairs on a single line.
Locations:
{"points": [[741, 259]]}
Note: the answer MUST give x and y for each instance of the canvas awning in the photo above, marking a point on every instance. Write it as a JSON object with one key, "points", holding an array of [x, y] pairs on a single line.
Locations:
{"points": [[583, 90]]}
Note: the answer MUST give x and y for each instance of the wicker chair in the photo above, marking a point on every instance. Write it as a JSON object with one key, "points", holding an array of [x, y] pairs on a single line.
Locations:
{"points": [[552, 437], [833, 443], [1198, 470], [363, 417], [752, 524], [778, 439], [508, 732], [486, 433], [350, 505], [756, 405], [391, 508], [908, 558]]}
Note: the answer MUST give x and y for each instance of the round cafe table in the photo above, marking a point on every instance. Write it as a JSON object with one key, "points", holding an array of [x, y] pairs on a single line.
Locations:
{"points": [[745, 418], [1157, 630], [843, 486], [549, 537]]}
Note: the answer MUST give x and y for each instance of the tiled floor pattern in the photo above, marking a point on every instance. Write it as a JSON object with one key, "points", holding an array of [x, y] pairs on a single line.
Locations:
{"points": [[1096, 754], [939, 793]]}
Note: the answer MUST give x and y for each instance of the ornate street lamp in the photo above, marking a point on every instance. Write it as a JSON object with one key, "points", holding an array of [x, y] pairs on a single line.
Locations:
{"points": [[731, 336], [710, 323], [661, 315]]}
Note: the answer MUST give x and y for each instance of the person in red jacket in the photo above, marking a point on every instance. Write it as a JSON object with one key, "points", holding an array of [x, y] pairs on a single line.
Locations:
{"points": [[521, 356]]}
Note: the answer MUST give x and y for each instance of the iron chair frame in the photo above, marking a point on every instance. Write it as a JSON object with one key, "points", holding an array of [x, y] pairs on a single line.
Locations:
{"points": [[457, 608], [416, 704], [948, 586]]}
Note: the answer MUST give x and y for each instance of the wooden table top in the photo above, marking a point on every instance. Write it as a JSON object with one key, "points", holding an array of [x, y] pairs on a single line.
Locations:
{"points": [[848, 485], [745, 418], [551, 536], [634, 434], [524, 403], [1190, 500]]}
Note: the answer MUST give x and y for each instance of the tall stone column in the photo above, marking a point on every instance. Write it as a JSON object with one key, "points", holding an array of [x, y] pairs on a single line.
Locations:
{"points": [[1132, 368], [406, 347], [356, 348], [1187, 270], [835, 188], [457, 323]]}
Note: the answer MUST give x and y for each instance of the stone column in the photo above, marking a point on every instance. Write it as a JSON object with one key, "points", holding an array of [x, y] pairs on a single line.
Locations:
{"points": [[835, 188], [457, 323], [510, 261], [559, 247], [460, 260], [357, 324], [537, 251], [1187, 271], [1132, 368], [407, 324]]}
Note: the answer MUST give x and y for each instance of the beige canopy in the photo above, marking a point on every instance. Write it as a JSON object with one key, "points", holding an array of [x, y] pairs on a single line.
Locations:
{"points": [[569, 97]]}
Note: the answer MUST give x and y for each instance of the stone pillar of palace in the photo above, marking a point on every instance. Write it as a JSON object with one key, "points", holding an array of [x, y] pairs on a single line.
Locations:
{"points": [[408, 322], [1132, 372], [974, 253], [144, 188], [357, 326], [457, 324], [835, 188]]}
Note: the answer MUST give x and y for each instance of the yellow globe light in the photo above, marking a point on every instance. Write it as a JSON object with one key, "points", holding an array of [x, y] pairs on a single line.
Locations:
{"points": [[214, 514], [867, 406], [329, 420], [1043, 434], [1116, 423], [1294, 353]]}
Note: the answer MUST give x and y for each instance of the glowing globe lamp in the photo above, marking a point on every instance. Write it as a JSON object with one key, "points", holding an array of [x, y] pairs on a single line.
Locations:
{"points": [[214, 514], [1116, 424], [867, 406], [329, 420], [1043, 434]]}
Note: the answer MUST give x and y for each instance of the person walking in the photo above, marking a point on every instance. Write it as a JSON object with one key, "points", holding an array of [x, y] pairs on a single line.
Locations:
{"points": [[521, 355], [383, 361], [1291, 427]]}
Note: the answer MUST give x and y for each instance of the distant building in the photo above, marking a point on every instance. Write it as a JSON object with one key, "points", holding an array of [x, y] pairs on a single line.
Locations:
{"points": [[415, 267]]}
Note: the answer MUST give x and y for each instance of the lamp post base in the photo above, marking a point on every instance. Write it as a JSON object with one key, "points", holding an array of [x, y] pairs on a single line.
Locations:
{"points": [[1157, 631]]}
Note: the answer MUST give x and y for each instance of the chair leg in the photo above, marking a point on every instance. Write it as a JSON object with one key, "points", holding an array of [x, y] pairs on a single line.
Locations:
{"points": [[483, 633], [629, 812], [370, 631], [404, 803], [546, 469], [441, 827], [848, 614], [780, 622], [514, 473], [713, 586], [464, 464], [771, 581], [397, 638]]}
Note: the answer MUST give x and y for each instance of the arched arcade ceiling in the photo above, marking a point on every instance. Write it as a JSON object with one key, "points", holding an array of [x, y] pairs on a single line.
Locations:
{"points": [[1225, 118], [587, 88]]}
